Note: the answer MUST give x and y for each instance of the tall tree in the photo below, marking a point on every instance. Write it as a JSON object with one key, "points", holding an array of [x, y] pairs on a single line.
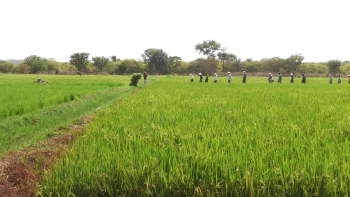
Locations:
{"points": [[174, 62], [156, 60], [123, 68], [35, 63], [100, 62], [334, 66], [291, 64], [80, 61], [229, 58], [208, 48], [114, 58]]}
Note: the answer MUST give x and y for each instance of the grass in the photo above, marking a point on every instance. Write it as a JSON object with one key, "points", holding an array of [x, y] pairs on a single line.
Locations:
{"points": [[46, 107], [176, 138]]}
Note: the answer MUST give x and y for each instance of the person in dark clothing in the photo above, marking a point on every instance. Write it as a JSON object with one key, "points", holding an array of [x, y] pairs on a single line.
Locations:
{"points": [[144, 78], [200, 77], [303, 79], [244, 77], [291, 78], [206, 77], [279, 78]]}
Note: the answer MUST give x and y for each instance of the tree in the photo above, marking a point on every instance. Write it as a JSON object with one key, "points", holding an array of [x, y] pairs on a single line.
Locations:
{"points": [[209, 65], [123, 68], [100, 62], [345, 68], [6, 67], [291, 64], [80, 61], [52, 65], [35, 63], [237, 63], [208, 48], [114, 58], [334, 66], [156, 60], [174, 62]]}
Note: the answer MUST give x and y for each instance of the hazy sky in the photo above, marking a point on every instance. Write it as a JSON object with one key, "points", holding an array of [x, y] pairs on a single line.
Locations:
{"points": [[318, 29]]}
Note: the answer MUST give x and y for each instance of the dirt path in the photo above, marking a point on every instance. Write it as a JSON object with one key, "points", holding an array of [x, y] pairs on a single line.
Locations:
{"points": [[21, 171]]}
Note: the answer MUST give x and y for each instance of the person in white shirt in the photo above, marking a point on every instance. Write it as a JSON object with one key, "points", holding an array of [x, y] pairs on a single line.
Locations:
{"points": [[330, 79], [229, 77], [339, 79], [191, 77], [215, 78]]}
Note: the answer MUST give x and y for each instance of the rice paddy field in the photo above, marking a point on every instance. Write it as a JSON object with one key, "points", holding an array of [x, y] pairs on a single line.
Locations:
{"points": [[177, 138], [31, 111]]}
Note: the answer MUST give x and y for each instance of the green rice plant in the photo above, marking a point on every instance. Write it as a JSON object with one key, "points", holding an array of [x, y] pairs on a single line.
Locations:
{"points": [[176, 138]]}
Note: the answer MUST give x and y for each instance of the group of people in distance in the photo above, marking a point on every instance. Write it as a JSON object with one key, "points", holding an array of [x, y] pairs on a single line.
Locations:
{"points": [[339, 79], [229, 77], [270, 78]]}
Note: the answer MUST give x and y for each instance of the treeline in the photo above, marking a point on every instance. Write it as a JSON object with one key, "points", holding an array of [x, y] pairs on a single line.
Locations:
{"points": [[157, 61]]}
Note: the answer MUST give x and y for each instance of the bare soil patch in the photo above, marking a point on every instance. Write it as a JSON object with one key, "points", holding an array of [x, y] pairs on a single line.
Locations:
{"points": [[21, 171]]}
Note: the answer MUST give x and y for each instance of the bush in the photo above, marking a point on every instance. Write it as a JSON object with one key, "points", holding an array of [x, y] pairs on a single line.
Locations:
{"points": [[135, 79]]}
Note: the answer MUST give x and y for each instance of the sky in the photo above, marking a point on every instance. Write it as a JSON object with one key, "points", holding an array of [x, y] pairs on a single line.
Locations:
{"points": [[317, 29]]}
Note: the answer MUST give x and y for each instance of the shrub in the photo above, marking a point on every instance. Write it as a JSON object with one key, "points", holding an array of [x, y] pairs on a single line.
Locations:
{"points": [[135, 79]]}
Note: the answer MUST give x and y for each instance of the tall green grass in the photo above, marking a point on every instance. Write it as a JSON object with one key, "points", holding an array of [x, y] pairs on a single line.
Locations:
{"points": [[176, 138], [20, 94], [46, 107]]}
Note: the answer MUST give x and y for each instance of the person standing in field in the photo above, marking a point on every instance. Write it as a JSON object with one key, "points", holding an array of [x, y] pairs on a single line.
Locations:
{"points": [[291, 78], [145, 75], [330, 79], [191, 77], [244, 77], [303, 79], [215, 78], [200, 77], [229, 77], [270, 79], [206, 77], [339, 79], [279, 78]]}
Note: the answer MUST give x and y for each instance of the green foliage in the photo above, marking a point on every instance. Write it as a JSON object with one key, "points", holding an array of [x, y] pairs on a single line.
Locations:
{"points": [[334, 66], [114, 58], [313, 68], [177, 138], [29, 111], [345, 68], [135, 66], [174, 63], [21, 69], [291, 64], [6, 67], [252, 66], [156, 60], [80, 61], [229, 58], [36, 63], [100, 62], [52, 65], [208, 48], [123, 68], [135, 79]]}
